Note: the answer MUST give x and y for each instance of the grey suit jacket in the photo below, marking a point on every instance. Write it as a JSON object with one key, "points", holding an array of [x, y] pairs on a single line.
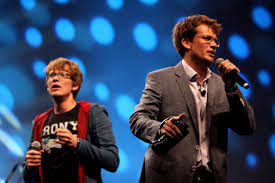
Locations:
{"points": [[167, 93]]}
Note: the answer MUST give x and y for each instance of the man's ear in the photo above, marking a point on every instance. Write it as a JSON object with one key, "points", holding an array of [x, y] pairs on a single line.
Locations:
{"points": [[185, 43], [75, 87]]}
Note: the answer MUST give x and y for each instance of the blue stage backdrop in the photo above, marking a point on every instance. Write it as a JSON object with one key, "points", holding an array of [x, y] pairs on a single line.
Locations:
{"points": [[116, 43]]}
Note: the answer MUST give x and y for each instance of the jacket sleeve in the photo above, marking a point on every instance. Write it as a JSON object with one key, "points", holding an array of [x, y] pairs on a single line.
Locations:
{"points": [[242, 120], [143, 122], [100, 147]]}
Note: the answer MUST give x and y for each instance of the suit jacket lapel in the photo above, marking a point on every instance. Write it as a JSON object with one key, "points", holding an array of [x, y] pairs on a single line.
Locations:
{"points": [[183, 84]]}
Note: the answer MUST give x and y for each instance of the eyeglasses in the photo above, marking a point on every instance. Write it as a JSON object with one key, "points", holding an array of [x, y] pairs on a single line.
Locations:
{"points": [[63, 75], [210, 39]]}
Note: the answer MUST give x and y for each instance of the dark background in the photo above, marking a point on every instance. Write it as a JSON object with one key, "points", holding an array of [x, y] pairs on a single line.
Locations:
{"points": [[116, 43]]}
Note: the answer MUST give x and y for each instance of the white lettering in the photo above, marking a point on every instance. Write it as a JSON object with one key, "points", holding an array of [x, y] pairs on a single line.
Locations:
{"points": [[46, 130], [74, 124], [53, 128]]}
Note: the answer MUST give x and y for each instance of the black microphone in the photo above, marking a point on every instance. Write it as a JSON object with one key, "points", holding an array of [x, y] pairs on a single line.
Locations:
{"points": [[164, 143], [234, 75], [35, 170]]}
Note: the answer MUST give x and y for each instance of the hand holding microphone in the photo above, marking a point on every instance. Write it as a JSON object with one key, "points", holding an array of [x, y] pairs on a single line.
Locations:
{"points": [[170, 129], [230, 73], [33, 156], [33, 159]]}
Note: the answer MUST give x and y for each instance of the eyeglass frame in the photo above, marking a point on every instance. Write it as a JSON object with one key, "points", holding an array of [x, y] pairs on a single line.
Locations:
{"points": [[210, 39], [61, 74]]}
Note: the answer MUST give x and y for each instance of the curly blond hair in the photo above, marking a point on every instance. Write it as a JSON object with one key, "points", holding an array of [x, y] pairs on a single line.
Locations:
{"points": [[69, 66]]}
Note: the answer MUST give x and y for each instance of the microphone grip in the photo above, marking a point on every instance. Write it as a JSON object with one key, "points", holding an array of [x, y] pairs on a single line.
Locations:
{"points": [[35, 170], [242, 82], [35, 175]]}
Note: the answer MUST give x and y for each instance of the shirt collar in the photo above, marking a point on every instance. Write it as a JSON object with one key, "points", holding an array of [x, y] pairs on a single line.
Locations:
{"points": [[192, 74]]}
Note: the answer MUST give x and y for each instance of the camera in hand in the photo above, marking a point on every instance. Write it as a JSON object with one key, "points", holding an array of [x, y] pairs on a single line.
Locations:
{"points": [[164, 143]]}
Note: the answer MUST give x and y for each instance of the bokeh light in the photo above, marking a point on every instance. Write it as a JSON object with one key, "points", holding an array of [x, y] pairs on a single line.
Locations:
{"points": [[115, 4], [33, 37], [125, 106], [101, 91], [264, 77], [238, 46], [38, 68], [262, 17], [61, 1], [149, 2], [102, 30], [251, 160], [272, 144], [28, 4], [145, 37], [64, 29]]}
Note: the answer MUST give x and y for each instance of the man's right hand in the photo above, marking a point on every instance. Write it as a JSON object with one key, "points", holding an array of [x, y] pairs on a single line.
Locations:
{"points": [[170, 129], [33, 158]]}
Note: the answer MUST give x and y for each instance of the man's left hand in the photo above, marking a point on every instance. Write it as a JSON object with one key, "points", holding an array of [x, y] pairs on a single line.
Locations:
{"points": [[224, 69], [65, 137]]}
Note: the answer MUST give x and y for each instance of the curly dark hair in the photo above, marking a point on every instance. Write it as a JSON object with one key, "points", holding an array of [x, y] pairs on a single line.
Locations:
{"points": [[187, 29]]}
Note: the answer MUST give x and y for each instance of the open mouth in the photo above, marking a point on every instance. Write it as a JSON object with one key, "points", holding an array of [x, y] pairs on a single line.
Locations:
{"points": [[55, 86], [212, 53]]}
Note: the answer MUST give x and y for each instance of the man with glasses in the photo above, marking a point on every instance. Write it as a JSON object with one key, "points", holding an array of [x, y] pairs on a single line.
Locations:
{"points": [[76, 137], [185, 111]]}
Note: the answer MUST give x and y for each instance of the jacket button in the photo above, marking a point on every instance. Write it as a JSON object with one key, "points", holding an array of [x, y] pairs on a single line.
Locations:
{"points": [[193, 168], [197, 147]]}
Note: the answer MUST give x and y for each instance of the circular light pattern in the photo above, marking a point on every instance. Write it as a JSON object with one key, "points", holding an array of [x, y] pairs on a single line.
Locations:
{"points": [[145, 37], [272, 144], [123, 161], [40, 15], [61, 1], [149, 2], [262, 17], [115, 4], [7, 98], [33, 37], [238, 46], [28, 4], [251, 160], [65, 29], [38, 68], [7, 32], [102, 92], [102, 30], [246, 92], [80, 65], [264, 77], [125, 106]]}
